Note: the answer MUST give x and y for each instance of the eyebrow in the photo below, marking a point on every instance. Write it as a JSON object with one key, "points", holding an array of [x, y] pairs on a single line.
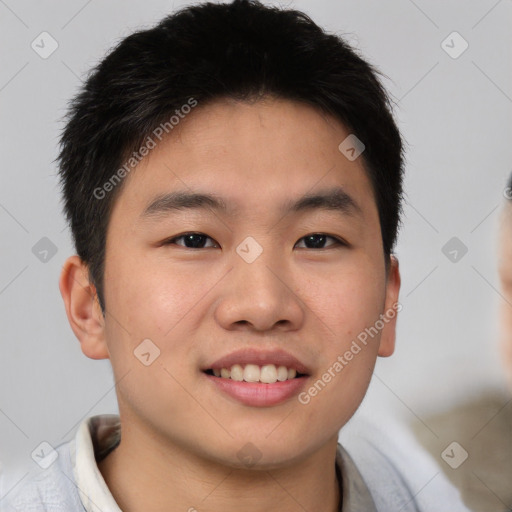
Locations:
{"points": [[333, 199]]}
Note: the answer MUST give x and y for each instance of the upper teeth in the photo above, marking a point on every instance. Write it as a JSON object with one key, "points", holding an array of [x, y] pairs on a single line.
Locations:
{"points": [[267, 373]]}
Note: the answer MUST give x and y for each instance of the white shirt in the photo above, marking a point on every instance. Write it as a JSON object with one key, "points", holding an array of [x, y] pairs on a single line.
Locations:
{"points": [[376, 476]]}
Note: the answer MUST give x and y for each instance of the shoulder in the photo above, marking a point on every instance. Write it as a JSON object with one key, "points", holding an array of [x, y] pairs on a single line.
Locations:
{"points": [[50, 489], [480, 426], [398, 472]]}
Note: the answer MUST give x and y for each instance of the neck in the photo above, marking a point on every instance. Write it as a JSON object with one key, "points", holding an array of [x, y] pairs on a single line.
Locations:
{"points": [[174, 479]]}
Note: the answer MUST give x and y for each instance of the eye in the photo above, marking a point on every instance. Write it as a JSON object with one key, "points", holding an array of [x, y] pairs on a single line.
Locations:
{"points": [[317, 241], [198, 240], [191, 240]]}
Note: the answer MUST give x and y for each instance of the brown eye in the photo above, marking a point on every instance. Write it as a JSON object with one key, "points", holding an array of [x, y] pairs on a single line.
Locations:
{"points": [[318, 240], [190, 240]]}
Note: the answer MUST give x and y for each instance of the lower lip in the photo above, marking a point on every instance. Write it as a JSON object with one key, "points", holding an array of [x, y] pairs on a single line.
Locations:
{"points": [[257, 394]]}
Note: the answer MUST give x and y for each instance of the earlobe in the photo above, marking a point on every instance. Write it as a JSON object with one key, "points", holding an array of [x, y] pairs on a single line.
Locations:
{"points": [[82, 308], [391, 308]]}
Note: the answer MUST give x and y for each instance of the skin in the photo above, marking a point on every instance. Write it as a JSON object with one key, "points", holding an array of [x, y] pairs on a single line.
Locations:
{"points": [[180, 435], [505, 274]]}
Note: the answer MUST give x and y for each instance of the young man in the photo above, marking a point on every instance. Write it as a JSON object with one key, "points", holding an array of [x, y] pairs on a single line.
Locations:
{"points": [[233, 182]]}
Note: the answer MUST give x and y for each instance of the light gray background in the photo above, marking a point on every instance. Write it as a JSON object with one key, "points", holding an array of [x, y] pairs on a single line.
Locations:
{"points": [[454, 113]]}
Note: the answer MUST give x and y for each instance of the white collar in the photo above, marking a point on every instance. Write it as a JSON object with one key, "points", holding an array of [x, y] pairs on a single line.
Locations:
{"points": [[98, 435]]}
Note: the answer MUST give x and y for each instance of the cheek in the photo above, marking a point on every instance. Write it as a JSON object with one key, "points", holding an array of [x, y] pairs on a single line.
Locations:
{"points": [[350, 303], [149, 316], [349, 315], [160, 302], [151, 299]]}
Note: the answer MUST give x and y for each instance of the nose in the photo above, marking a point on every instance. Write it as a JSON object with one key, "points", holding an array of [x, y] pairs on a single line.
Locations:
{"points": [[261, 296]]}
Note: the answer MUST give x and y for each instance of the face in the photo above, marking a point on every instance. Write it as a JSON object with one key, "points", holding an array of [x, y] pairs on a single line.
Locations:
{"points": [[505, 272], [259, 290]]}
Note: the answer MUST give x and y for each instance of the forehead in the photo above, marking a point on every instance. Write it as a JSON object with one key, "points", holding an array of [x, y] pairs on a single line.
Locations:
{"points": [[267, 152]]}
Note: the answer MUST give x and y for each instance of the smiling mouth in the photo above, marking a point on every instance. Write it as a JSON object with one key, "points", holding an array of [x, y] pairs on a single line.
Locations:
{"points": [[265, 374]]}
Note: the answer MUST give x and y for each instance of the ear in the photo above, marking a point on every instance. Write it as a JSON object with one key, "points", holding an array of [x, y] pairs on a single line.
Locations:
{"points": [[83, 309], [391, 308]]}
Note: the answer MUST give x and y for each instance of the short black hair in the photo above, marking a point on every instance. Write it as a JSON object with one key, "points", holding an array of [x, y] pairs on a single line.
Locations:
{"points": [[242, 50], [508, 190]]}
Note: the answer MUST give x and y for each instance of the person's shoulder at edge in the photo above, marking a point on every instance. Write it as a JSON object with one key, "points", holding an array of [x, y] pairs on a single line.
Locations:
{"points": [[399, 473], [44, 490]]}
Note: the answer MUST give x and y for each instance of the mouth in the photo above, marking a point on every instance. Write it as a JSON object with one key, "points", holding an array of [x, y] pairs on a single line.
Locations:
{"points": [[265, 374], [258, 378]]}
